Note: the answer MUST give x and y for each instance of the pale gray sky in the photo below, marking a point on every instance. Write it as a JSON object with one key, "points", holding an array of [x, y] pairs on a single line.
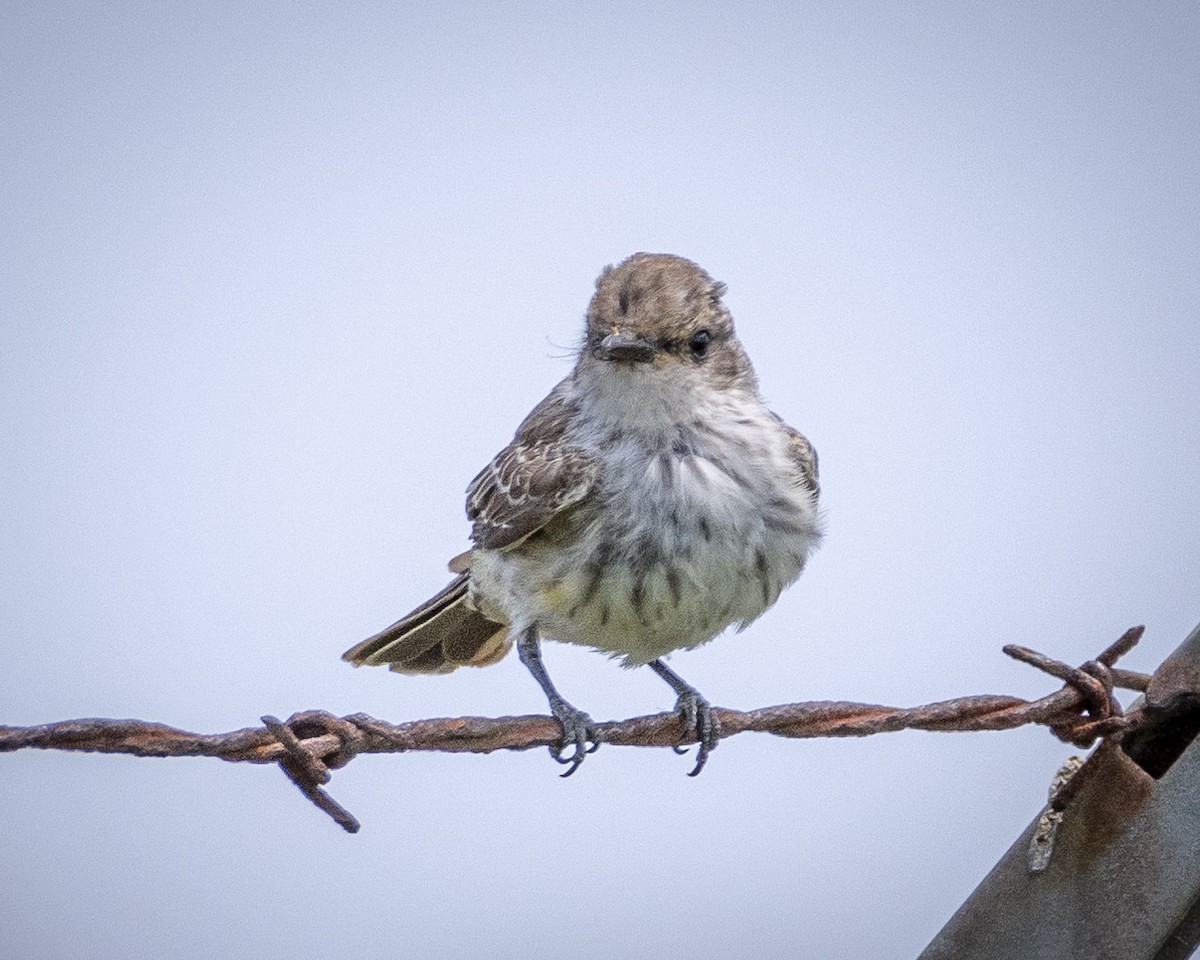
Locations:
{"points": [[277, 279]]}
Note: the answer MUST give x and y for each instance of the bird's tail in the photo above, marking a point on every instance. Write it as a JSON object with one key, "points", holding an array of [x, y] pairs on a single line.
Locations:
{"points": [[442, 634]]}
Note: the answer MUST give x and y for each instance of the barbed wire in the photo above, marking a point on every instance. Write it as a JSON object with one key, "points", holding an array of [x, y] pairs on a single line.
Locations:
{"points": [[312, 743]]}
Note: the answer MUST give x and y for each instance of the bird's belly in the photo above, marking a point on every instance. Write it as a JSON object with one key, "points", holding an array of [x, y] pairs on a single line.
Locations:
{"points": [[669, 562], [644, 613]]}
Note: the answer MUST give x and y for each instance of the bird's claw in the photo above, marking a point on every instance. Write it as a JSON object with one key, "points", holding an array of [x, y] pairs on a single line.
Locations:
{"points": [[579, 736], [696, 714]]}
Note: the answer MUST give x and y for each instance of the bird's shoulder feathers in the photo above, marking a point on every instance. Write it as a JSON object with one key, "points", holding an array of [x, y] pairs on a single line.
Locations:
{"points": [[804, 455]]}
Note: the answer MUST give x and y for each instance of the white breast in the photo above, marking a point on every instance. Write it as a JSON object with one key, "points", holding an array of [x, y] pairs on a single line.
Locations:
{"points": [[698, 522]]}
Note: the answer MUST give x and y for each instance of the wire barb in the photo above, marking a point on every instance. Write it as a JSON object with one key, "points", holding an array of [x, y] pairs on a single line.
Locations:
{"points": [[312, 743], [308, 771]]}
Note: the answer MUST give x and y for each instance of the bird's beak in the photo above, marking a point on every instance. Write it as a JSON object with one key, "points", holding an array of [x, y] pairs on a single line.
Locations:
{"points": [[626, 347]]}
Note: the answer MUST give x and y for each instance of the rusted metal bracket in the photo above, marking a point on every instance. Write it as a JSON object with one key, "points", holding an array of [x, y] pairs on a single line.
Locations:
{"points": [[1111, 868]]}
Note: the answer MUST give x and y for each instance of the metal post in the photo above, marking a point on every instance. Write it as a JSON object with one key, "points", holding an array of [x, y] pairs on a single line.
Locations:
{"points": [[1122, 879]]}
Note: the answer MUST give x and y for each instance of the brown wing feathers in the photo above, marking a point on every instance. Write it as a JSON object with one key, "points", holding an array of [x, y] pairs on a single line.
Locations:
{"points": [[523, 488], [441, 634], [519, 492]]}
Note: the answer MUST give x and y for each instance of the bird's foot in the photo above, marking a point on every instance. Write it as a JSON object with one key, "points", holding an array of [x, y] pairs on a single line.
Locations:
{"points": [[579, 735], [696, 714]]}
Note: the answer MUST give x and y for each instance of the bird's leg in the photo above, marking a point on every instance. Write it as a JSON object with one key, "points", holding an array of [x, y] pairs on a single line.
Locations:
{"points": [[576, 725], [695, 712]]}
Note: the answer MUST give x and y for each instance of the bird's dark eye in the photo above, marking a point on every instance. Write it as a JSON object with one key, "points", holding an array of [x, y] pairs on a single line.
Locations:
{"points": [[699, 343]]}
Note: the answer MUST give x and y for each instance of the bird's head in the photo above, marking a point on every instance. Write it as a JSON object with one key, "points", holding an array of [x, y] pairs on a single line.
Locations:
{"points": [[662, 314]]}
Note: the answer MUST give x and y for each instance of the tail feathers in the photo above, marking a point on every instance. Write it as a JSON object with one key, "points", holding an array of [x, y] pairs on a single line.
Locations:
{"points": [[442, 634]]}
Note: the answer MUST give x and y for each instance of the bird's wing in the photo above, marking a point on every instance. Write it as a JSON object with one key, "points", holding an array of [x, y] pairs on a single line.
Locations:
{"points": [[804, 456], [531, 480]]}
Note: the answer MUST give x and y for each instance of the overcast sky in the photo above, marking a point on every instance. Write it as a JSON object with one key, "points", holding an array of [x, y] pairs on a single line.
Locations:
{"points": [[276, 280]]}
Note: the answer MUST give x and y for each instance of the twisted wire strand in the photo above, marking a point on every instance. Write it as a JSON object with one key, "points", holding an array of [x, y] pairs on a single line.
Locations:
{"points": [[312, 743]]}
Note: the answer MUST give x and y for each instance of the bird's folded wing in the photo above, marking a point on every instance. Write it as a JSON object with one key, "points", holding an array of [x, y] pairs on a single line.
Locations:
{"points": [[523, 488], [538, 475]]}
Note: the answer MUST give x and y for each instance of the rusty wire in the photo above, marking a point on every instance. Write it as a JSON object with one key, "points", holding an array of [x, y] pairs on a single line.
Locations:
{"points": [[312, 743]]}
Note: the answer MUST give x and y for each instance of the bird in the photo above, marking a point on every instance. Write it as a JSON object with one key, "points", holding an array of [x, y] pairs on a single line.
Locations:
{"points": [[649, 502]]}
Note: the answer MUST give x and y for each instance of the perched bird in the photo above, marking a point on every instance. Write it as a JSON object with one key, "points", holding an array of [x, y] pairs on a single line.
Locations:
{"points": [[650, 501]]}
